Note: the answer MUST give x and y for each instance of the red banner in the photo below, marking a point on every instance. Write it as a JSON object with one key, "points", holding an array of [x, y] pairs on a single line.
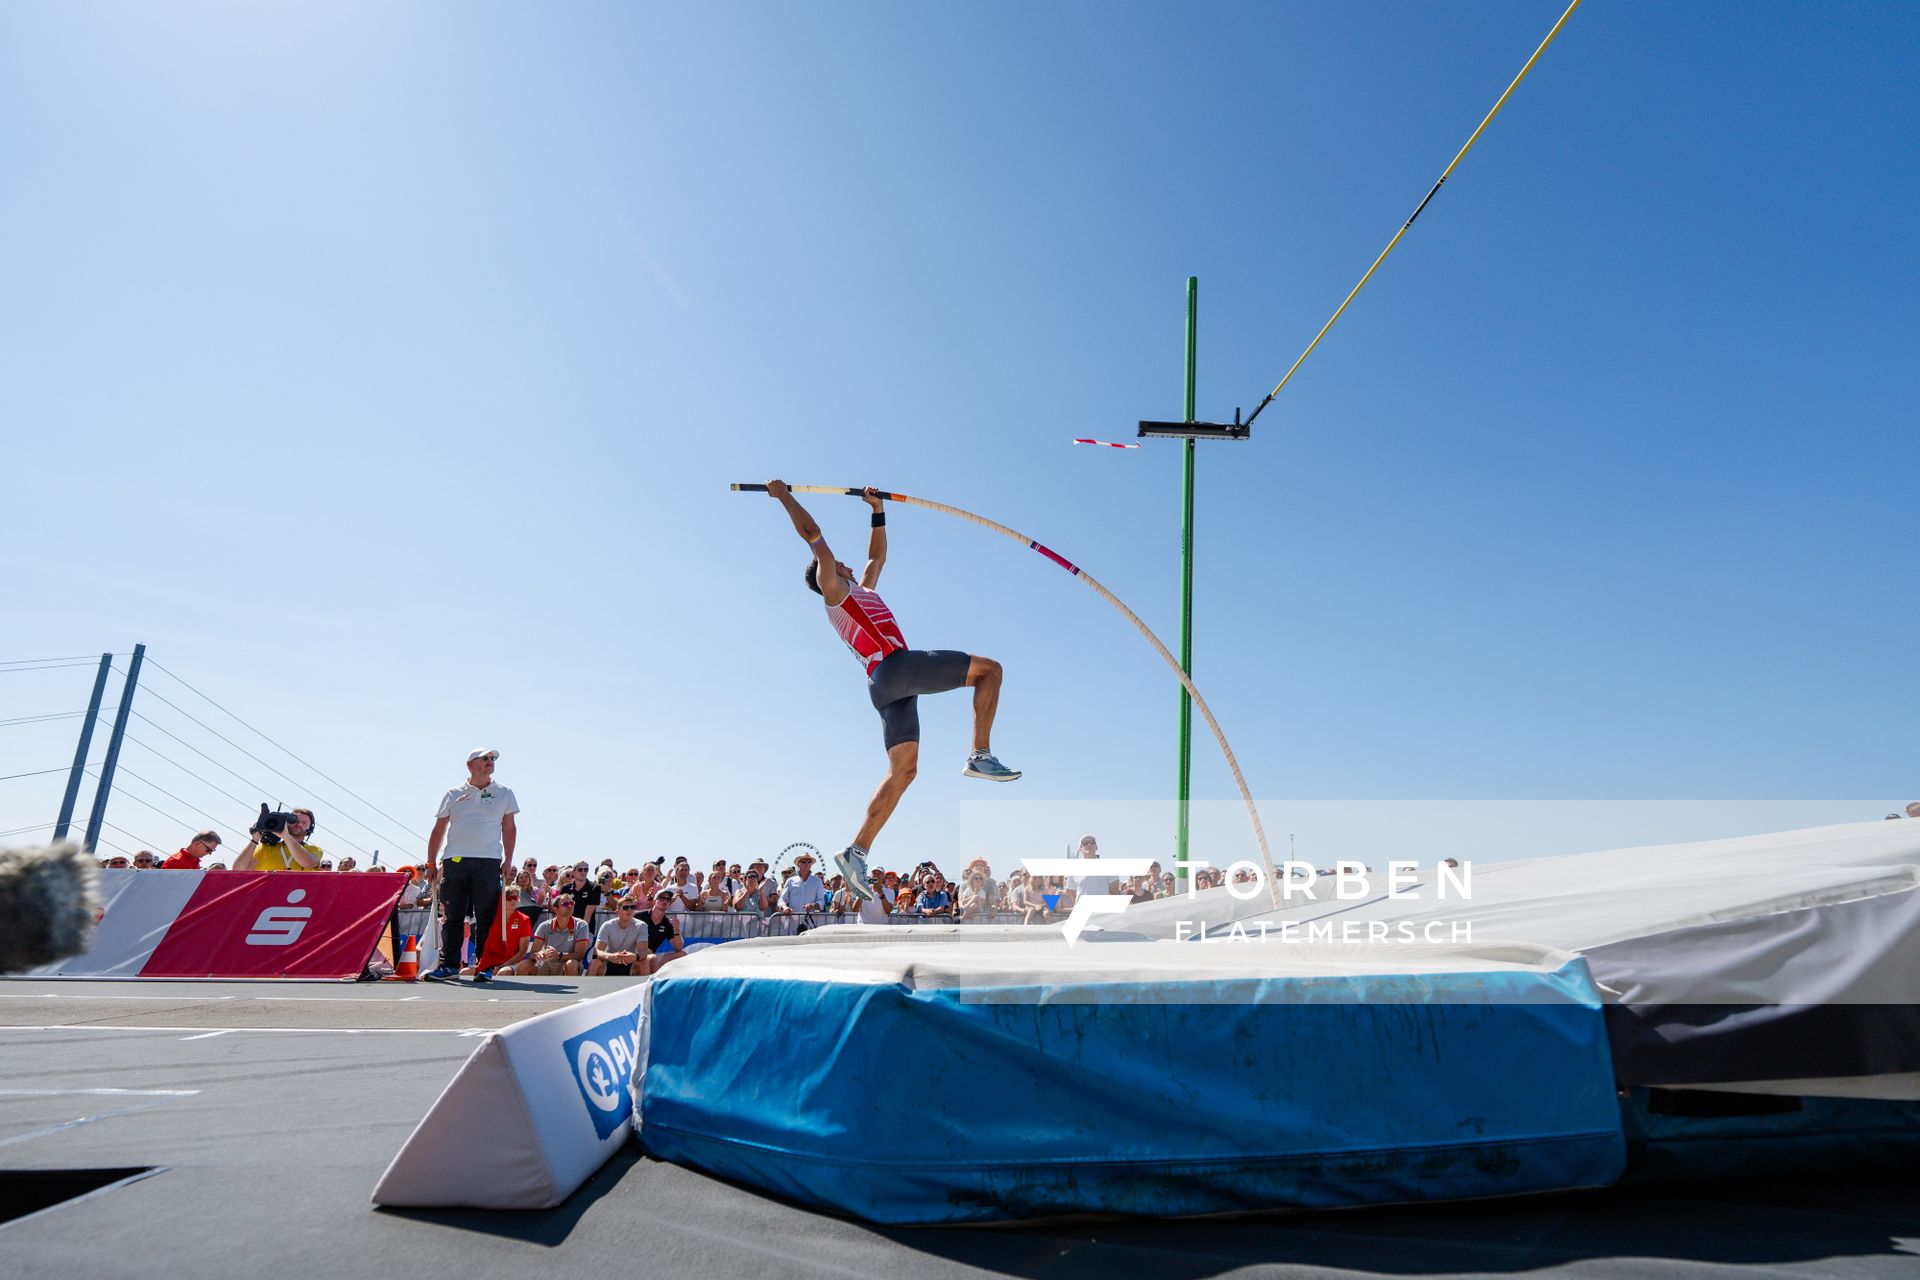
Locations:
{"points": [[277, 924]]}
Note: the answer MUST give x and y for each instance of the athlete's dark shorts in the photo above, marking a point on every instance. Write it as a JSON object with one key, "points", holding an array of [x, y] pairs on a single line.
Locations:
{"points": [[897, 683]]}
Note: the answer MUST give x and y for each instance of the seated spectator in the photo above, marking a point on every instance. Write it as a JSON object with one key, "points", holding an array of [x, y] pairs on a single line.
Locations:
{"points": [[560, 943], [529, 887], [145, 861], [118, 862], [620, 944], [508, 942], [188, 859], [664, 940]]}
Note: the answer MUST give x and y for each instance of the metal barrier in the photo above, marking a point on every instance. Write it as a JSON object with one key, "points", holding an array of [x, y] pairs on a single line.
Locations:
{"points": [[710, 927]]}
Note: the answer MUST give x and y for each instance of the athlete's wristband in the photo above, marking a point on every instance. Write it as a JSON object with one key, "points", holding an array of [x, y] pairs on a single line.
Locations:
{"points": [[879, 519]]}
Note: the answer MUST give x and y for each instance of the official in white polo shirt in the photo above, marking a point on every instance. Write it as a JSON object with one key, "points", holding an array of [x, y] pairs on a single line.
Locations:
{"points": [[475, 823]]}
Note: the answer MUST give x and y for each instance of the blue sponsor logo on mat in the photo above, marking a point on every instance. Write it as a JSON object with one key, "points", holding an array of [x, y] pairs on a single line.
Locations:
{"points": [[602, 1060]]}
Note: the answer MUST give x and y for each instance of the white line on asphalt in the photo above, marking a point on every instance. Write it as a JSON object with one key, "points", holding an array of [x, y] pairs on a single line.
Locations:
{"points": [[62, 995], [99, 1093], [204, 1035]]}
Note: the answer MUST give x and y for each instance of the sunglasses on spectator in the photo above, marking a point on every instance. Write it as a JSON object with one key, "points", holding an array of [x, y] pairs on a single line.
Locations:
{"points": [[626, 904]]}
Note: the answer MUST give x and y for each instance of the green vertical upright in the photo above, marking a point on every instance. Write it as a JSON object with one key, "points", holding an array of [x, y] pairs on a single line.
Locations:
{"points": [[1186, 584]]}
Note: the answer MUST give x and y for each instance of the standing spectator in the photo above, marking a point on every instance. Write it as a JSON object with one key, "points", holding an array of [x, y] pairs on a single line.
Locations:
{"points": [[873, 908], [935, 901], [1025, 897], [288, 851], [686, 894], [560, 943], [348, 863], [607, 890], [475, 821], [649, 883], [755, 895], [1083, 885], [144, 860], [506, 947], [806, 891], [720, 886], [977, 899], [188, 859], [574, 882], [621, 942]]}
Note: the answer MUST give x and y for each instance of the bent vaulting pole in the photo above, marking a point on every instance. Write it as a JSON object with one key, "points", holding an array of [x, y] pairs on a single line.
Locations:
{"points": [[1246, 796]]}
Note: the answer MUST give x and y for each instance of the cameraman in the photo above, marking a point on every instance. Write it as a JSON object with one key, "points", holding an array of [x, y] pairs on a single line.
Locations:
{"points": [[287, 850]]}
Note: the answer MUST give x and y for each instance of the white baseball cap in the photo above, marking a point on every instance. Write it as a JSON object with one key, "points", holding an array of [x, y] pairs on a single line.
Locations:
{"points": [[488, 752]]}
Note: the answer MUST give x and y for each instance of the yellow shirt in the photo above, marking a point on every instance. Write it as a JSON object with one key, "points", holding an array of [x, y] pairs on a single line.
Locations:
{"points": [[275, 857]]}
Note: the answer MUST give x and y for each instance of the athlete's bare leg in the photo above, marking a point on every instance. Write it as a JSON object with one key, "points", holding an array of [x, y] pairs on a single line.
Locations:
{"points": [[903, 761], [983, 677]]}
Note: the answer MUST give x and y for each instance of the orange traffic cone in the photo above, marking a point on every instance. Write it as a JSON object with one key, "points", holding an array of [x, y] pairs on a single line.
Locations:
{"points": [[408, 968]]}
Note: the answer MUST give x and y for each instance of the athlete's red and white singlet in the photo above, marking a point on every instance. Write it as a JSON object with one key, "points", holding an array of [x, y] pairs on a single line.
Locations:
{"points": [[867, 625]]}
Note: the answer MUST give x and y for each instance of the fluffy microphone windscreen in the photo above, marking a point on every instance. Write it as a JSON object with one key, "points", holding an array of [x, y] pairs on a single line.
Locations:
{"points": [[47, 898]]}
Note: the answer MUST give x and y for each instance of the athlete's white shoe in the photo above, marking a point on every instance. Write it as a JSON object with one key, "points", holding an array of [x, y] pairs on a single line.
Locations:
{"points": [[852, 864], [981, 764]]}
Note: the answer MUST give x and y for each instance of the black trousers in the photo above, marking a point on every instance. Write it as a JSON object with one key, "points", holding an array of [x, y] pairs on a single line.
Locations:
{"points": [[471, 884]]}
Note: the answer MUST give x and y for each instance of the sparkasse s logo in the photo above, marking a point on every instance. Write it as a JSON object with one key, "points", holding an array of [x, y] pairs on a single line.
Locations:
{"points": [[601, 1059], [281, 926]]}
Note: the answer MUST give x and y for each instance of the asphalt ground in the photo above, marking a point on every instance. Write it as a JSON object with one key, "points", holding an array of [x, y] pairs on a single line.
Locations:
{"points": [[270, 1109]]}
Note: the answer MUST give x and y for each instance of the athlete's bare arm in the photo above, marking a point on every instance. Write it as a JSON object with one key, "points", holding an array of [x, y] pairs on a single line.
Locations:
{"points": [[832, 589], [876, 545]]}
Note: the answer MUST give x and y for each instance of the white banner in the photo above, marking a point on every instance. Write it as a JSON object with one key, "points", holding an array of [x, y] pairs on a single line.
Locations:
{"points": [[536, 1110]]}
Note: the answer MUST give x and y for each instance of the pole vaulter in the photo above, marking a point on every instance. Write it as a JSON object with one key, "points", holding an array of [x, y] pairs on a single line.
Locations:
{"points": [[1246, 796]]}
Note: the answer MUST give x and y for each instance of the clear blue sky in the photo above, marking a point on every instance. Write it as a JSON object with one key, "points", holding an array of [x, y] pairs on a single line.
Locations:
{"points": [[382, 367]]}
